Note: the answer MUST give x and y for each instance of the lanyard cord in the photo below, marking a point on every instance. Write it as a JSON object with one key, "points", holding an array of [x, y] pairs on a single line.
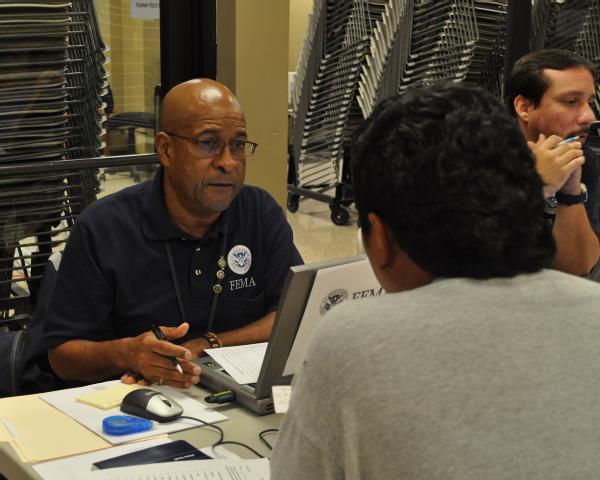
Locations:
{"points": [[175, 282], [216, 291]]}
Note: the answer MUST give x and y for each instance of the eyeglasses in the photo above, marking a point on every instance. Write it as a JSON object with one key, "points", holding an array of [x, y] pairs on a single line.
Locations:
{"points": [[239, 149]]}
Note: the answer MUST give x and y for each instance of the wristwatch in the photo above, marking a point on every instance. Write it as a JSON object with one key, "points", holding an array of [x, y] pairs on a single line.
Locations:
{"points": [[551, 203], [564, 199]]}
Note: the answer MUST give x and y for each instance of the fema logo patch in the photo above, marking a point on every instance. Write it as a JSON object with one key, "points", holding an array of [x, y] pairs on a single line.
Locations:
{"points": [[332, 299], [239, 259]]}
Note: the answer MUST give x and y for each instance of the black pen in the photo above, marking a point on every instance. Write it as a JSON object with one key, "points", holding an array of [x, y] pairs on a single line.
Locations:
{"points": [[161, 336]]}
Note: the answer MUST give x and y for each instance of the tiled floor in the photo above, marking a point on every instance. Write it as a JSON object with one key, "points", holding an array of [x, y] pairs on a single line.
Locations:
{"points": [[315, 235]]}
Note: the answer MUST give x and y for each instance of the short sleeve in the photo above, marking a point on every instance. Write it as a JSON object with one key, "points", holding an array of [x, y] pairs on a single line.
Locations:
{"points": [[82, 301]]}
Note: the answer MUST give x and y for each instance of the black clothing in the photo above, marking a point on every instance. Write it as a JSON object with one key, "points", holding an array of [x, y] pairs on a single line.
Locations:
{"points": [[115, 280]]}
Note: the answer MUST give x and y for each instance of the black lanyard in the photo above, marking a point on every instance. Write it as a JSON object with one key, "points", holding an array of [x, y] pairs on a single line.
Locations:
{"points": [[216, 288]]}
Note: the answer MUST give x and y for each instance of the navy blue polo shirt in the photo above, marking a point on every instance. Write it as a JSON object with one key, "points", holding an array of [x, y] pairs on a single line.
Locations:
{"points": [[115, 280], [590, 175]]}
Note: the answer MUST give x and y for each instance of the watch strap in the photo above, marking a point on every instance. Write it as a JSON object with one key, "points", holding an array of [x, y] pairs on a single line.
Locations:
{"points": [[565, 199], [213, 340]]}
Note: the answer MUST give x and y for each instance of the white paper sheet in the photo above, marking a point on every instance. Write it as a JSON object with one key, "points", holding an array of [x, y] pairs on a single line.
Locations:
{"points": [[72, 468], [332, 286], [257, 469], [91, 417], [281, 397], [242, 362]]}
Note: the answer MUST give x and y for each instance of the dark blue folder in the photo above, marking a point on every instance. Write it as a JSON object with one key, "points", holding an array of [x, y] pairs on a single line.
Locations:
{"points": [[169, 452]]}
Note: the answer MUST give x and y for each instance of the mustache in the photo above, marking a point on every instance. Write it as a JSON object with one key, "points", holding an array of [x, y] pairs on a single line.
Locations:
{"points": [[585, 130]]}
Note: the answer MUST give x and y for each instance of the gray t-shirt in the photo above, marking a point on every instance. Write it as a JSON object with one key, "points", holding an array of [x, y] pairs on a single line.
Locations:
{"points": [[460, 379]]}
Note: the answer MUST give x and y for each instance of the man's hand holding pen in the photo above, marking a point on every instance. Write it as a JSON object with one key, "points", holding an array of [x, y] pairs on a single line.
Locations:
{"points": [[558, 162], [156, 360]]}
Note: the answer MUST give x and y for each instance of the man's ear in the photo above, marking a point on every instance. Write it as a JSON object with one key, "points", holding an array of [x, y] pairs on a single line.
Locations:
{"points": [[523, 107], [379, 244], [162, 142]]}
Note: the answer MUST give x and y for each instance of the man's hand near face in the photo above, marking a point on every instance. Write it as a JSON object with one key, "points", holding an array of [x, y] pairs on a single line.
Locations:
{"points": [[559, 166]]}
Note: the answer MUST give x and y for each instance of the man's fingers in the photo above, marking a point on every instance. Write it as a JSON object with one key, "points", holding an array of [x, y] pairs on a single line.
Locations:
{"points": [[164, 365], [174, 378], [128, 379], [572, 157], [165, 347], [540, 140], [171, 333], [168, 349], [176, 384], [549, 142], [578, 162], [191, 369]]}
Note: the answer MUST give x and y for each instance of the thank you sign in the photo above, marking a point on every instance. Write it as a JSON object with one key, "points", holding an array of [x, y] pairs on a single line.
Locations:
{"points": [[145, 9]]}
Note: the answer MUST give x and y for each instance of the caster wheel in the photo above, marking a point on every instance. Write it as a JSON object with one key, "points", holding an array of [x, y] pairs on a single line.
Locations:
{"points": [[293, 201], [339, 215]]}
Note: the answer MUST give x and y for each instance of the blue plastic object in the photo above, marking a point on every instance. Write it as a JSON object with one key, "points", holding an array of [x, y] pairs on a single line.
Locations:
{"points": [[124, 425]]}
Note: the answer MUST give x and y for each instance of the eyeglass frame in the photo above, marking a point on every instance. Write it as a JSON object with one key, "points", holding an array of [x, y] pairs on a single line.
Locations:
{"points": [[197, 141]]}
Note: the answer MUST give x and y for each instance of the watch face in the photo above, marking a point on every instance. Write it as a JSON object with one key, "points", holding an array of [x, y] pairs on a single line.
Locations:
{"points": [[551, 202]]}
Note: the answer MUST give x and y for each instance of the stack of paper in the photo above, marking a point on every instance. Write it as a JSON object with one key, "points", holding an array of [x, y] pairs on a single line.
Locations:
{"points": [[91, 417], [192, 470]]}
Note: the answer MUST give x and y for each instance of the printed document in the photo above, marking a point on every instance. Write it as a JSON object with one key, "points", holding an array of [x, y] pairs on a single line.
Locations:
{"points": [[242, 362], [257, 469], [73, 468]]}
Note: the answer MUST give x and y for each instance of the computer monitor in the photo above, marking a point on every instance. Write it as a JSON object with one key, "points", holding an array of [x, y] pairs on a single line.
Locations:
{"points": [[342, 279]]}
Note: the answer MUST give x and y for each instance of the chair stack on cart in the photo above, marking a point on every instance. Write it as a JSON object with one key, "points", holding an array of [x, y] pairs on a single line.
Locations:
{"points": [[342, 74], [52, 81], [326, 105]]}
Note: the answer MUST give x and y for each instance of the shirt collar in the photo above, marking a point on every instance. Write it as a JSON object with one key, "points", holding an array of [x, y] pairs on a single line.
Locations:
{"points": [[157, 225]]}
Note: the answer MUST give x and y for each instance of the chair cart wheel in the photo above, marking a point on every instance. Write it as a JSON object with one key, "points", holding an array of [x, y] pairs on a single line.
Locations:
{"points": [[339, 215], [293, 201]]}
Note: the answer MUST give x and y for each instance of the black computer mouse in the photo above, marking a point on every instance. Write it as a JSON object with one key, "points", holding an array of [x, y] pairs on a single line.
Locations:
{"points": [[151, 404]]}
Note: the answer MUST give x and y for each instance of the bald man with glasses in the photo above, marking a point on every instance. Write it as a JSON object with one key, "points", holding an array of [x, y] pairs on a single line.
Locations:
{"points": [[194, 251]]}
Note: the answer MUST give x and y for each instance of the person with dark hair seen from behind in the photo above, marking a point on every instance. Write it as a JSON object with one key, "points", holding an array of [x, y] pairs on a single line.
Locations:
{"points": [[479, 362], [551, 93], [194, 252]]}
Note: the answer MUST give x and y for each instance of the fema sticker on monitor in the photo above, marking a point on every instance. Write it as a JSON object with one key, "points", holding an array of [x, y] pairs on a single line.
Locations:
{"points": [[332, 299], [239, 259]]}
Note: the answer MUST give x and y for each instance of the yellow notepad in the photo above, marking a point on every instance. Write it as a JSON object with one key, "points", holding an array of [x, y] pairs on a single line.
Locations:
{"points": [[107, 398]]}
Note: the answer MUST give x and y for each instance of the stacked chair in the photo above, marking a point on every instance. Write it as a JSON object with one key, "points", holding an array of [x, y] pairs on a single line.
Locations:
{"points": [[325, 100], [572, 25], [52, 83], [342, 74]]}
